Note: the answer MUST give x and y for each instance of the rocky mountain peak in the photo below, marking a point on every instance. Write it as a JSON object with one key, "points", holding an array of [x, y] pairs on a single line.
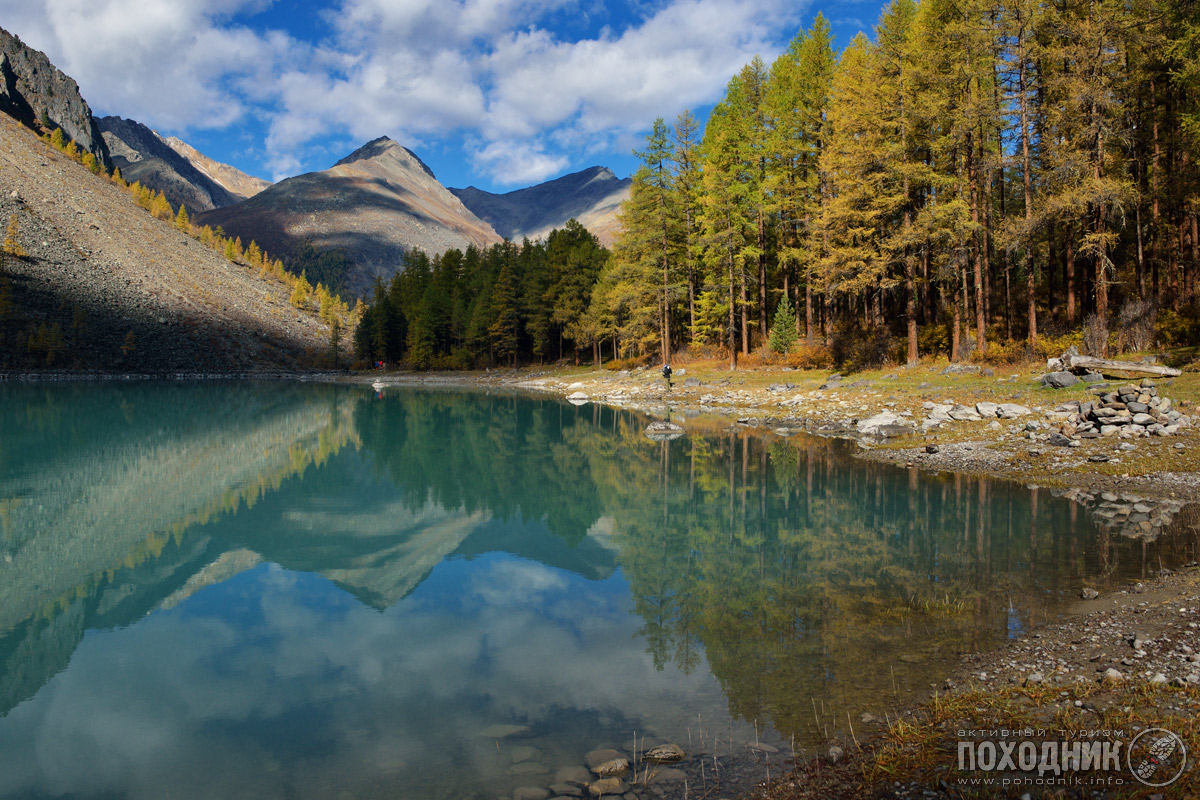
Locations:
{"points": [[386, 147], [38, 94]]}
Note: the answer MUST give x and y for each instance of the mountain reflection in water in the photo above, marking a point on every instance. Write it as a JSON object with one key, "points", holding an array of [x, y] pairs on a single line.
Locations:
{"points": [[322, 590]]}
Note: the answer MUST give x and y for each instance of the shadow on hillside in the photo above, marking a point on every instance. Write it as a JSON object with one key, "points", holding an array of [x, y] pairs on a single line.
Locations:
{"points": [[52, 325], [270, 217]]}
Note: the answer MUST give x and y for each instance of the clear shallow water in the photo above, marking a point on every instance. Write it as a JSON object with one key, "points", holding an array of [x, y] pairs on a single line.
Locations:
{"points": [[294, 590]]}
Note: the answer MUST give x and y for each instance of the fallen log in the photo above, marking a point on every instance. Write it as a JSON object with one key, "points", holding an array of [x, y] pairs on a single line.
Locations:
{"points": [[1104, 366]]}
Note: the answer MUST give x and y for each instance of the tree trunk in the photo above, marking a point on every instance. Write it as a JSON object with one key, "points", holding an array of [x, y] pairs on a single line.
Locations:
{"points": [[732, 323], [762, 276], [1155, 225], [956, 330], [1027, 180], [745, 314], [1005, 269], [973, 181], [808, 309], [1070, 276]]}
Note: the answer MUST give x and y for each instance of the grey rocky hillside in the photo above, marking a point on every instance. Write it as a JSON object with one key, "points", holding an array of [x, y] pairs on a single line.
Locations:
{"points": [[144, 156], [105, 286], [40, 96]]}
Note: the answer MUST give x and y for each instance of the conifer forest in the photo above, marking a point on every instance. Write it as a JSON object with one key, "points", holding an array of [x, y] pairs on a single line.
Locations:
{"points": [[979, 180]]}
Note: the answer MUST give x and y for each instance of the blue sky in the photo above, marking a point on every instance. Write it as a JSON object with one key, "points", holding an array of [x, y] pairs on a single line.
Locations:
{"points": [[498, 94]]}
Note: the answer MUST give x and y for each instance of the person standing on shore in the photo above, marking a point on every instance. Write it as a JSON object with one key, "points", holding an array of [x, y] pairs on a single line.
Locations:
{"points": [[666, 371]]}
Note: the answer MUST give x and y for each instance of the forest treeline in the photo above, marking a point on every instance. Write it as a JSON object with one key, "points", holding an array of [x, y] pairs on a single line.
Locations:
{"points": [[988, 180], [501, 305]]}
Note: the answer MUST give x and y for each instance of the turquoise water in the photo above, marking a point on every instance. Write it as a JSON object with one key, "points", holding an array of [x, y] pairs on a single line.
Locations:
{"points": [[299, 590]]}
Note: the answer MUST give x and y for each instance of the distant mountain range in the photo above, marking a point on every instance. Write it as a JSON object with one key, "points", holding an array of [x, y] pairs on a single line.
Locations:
{"points": [[372, 207], [592, 197], [382, 200], [172, 167]]}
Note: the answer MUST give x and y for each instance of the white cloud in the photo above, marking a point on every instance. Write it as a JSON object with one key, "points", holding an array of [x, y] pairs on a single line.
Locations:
{"points": [[166, 62], [490, 72], [512, 162], [253, 680]]}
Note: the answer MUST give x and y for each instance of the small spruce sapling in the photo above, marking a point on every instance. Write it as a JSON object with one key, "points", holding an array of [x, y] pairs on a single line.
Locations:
{"points": [[783, 329]]}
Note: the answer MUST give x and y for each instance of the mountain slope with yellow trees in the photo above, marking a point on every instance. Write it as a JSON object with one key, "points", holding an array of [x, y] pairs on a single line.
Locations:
{"points": [[99, 275]]}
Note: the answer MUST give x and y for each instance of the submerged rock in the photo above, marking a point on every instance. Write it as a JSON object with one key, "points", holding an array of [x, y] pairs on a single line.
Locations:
{"points": [[501, 731], [597, 757], [607, 786], [664, 754], [612, 768]]}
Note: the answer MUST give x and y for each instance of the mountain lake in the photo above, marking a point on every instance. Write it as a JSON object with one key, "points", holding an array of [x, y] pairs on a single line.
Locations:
{"points": [[307, 590]]}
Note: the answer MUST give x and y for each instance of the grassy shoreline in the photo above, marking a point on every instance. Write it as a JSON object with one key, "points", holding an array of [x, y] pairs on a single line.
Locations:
{"points": [[789, 402]]}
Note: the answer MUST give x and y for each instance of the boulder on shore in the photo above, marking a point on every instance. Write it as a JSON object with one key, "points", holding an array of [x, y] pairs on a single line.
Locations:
{"points": [[886, 423], [1059, 380]]}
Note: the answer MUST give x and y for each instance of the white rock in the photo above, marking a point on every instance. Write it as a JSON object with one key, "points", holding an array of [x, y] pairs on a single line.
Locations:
{"points": [[964, 413], [871, 425], [986, 409], [1012, 411]]}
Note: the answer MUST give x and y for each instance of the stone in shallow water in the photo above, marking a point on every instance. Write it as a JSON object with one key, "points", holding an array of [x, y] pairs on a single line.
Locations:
{"points": [[574, 774], [524, 753], [607, 786], [529, 768], [566, 790], [501, 731], [597, 757], [1088, 593], [530, 793], [664, 754], [666, 775], [612, 768]]}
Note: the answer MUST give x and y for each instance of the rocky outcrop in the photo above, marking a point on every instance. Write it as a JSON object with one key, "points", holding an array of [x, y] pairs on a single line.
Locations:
{"points": [[144, 156], [41, 97], [372, 207], [592, 197]]}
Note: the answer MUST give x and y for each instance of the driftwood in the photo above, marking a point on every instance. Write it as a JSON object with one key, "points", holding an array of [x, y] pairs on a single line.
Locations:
{"points": [[1077, 363]]}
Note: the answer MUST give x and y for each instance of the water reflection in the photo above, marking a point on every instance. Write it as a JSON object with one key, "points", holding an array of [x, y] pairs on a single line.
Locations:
{"points": [[327, 591]]}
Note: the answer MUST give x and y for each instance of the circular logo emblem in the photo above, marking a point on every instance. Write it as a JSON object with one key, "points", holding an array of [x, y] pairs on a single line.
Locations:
{"points": [[1157, 757]]}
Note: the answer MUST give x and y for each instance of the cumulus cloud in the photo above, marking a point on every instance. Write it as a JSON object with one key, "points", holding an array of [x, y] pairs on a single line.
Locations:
{"points": [[501, 75], [169, 62], [513, 162], [293, 688]]}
